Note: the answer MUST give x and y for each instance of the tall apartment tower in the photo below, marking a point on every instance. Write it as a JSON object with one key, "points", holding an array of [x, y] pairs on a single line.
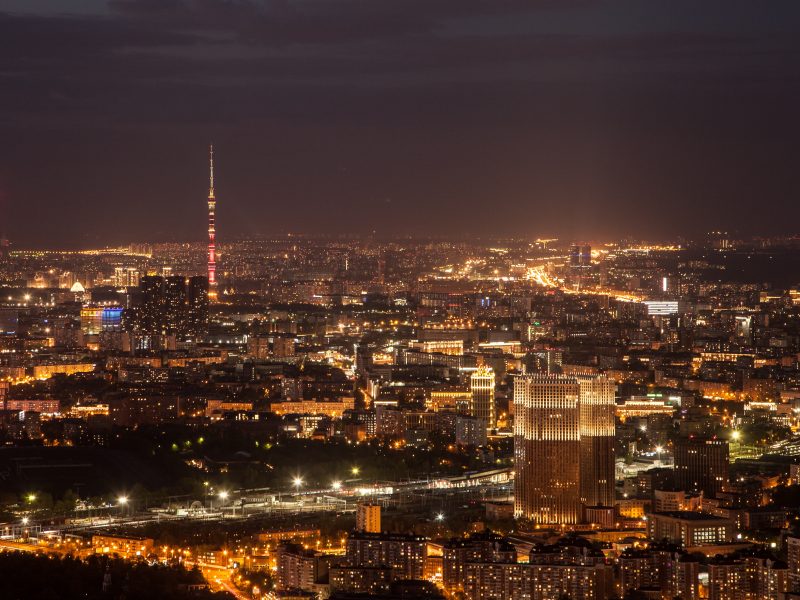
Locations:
{"points": [[481, 385], [597, 430], [793, 561], [212, 230], [563, 446], [702, 465], [152, 304], [197, 300], [174, 304], [368, 517]]}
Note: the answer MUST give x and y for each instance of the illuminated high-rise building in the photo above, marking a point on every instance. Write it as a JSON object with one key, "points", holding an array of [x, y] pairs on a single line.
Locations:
{"points": [[368, 517], [546, 448], [793, 561], [481, 385], [212, 232], [97, 319], [580, 255], [197, 300], [91, 319], [175, 310], [151, 307], [597, 429], [701, 465], [171, 306], [563, 446]]}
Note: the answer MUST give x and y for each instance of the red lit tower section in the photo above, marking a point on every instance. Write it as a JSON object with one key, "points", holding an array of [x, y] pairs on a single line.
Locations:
{"points": [[212, 231]]}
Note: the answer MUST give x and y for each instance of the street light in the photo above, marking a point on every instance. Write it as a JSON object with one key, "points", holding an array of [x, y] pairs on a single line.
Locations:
{"points": [[336, 485], [31, 498], [298, 482], [223, 495], [355, 470], [440, 517], [122, 502], [25, 520]]}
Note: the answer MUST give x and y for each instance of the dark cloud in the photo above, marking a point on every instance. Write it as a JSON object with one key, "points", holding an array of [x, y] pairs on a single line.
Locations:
{"points": [[576, 118], [287, 22]]}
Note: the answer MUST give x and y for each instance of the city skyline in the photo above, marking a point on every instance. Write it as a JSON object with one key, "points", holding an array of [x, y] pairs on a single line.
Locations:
{"points": [[399, 299]]}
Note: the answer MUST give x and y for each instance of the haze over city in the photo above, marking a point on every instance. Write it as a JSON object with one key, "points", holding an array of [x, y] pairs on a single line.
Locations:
{"points": [[589, 120]]}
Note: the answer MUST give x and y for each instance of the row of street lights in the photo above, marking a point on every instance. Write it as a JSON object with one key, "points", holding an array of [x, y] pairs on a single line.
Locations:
{"points": [[223, 495]]}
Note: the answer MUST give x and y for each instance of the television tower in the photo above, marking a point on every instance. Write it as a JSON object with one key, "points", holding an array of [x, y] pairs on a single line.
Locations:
{"points": [[212, 232]]}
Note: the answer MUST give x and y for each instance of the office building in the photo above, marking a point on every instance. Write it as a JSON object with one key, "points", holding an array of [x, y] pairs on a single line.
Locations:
{"points": [[597, 430], [701, 465], [481, 385], [580, 255], [563, 446], [689, 528]]}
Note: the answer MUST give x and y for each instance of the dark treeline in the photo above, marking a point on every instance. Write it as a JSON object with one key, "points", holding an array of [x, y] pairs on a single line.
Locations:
{"points": [[34, 577]]}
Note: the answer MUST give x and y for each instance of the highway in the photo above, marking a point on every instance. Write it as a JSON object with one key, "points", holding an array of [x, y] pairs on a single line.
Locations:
{"points": [[540, 276]]}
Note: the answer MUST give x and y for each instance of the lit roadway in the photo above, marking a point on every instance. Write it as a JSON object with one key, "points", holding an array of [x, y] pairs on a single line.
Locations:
{"points": [[219, 579], [540, 276]]}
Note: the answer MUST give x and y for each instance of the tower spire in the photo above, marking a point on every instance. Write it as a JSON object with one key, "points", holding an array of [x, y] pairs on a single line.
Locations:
{"points": [[212, 228], [211, 170]]}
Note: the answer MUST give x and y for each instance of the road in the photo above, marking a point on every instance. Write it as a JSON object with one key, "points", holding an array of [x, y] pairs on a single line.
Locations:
{"points": [[540, 276], [219, 580]]}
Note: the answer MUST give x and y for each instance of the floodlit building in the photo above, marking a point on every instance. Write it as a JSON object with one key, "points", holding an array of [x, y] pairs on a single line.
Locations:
{"points": [[563, 446]]}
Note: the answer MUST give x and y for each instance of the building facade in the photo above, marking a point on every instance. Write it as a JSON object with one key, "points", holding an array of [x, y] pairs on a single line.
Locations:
{"points": [[563, 446]]}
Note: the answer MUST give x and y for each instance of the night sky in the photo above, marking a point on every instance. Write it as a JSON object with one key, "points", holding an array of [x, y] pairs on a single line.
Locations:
{"points": [[581, 119]]}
